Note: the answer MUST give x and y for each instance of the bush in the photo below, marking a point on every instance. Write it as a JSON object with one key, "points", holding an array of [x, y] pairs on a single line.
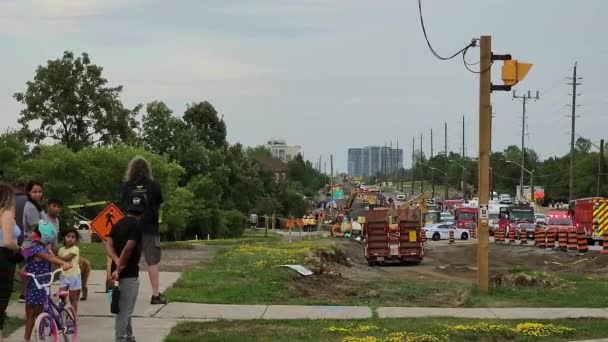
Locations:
{"points": [[235, 223]]}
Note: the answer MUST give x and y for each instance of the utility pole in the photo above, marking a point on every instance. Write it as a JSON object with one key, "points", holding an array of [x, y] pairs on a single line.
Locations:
{"points": [[573, 131], [485, 122], [524, 100], [331, 180], [421, 167], [600, 169], [464, 173], [445, 130], [432, 171], [413, 162]]}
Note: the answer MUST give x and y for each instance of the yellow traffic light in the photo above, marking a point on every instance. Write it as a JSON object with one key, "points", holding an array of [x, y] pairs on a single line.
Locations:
{"points": [[514, 71]]}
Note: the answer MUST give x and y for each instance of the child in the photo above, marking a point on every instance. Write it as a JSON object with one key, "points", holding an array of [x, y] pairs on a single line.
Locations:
{"points": [[38, 261], [53, 209], [71, 280]]}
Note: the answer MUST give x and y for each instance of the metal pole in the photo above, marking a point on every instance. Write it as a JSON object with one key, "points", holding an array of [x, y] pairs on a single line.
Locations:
{"points": [[464, 176], [331, 182], [485, 119], [532, 199], [600, 169], [432, 171], [523, 149], [446, 190], [413, 162], [421, 168], [573, 131]]}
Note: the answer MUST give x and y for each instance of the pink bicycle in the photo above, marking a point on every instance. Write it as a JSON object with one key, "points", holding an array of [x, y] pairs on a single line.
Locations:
{"points": [[56, 318]]}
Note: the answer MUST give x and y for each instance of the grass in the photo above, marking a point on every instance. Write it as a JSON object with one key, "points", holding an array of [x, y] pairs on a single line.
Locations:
{"points": [[12, 324], [388, 330], [95, 253]]}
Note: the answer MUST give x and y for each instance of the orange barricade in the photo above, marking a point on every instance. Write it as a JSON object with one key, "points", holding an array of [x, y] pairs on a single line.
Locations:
{"points": [[562, 237], [605, 247], [511, 235], [551, 237], [451, 236], [572, 239], [540, 237], [523, 236], [582, 241]]}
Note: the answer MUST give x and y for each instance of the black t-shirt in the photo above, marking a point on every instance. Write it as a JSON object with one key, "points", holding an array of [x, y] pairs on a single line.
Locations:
{"points": [[153, 198], [128, 228]]}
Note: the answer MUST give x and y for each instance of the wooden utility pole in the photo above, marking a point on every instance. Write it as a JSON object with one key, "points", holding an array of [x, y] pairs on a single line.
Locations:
{"points": [[573, 131], [524, 100], [600, 169], [331, 181], [446, 166], [421, 167], [432, 171], [485, 122], [413, 162]]}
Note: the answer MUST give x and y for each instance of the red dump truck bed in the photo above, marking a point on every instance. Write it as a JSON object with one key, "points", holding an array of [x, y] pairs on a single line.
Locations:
{"points": [[393, 236]]}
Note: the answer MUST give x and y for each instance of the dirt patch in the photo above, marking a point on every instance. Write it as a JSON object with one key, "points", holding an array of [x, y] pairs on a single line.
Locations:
{"points": [[520, 279], [180, 260]]}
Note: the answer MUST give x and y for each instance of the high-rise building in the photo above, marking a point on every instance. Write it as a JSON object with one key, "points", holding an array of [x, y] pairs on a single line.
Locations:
{"points": [[282, 151], [371, 160]]}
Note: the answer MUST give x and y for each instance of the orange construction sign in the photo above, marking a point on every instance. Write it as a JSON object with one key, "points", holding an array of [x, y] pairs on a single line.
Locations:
{"points": [[103, 223], [290, 223]]}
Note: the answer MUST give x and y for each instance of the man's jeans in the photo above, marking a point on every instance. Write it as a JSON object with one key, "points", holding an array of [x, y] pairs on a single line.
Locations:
{"points": [[129, 287]]}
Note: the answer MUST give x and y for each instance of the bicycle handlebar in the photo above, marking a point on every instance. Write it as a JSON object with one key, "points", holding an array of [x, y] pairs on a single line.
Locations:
{"points": [[41, 286]]}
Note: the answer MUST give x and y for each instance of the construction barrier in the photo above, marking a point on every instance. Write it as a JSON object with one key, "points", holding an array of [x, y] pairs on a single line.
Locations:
{"points": [[572, 240], [423, 236], [582, 241], [551, 237], [474, 233], [523, 237], [540, 236], [451, 236], [511, 235], [562, 237], [605, 247], [499, 235]]}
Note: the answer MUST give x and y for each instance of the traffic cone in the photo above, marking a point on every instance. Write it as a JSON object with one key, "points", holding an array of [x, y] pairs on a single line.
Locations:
{"points": [[562, 236], [511, 235], [572, 240], [582, 241], [551, 238], [452, 240]]}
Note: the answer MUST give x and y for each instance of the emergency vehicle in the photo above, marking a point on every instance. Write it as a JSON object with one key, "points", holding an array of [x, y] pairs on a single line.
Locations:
{"points": [[590, 214], [466, 217], [518, 217]]}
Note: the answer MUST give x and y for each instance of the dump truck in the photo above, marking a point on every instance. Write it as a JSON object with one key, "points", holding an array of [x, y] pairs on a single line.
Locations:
{"points": [[393, 236]]}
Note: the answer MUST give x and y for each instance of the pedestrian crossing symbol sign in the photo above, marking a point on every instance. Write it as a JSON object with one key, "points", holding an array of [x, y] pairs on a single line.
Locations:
{"points": [[102, 224]]}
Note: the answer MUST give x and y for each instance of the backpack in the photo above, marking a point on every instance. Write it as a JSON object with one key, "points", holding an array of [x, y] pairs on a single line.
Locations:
{"points": [[139, 192]]}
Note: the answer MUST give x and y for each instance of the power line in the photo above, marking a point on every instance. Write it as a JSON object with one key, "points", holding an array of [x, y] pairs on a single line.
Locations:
{"points": [[467, 64], [428, 43]]}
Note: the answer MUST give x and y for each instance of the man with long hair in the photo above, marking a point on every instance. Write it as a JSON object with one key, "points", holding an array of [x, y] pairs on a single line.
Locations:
{"points": [[141, 186]]}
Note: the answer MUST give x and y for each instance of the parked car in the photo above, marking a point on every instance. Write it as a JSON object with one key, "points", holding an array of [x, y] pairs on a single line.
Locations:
{"points": [[505, 199], [540, 218], [401, 197], [441, 231], [447, 218]]}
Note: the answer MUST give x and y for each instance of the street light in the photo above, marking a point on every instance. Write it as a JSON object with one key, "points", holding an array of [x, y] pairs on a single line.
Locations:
{"points": [[521, 191], [464, 179]]}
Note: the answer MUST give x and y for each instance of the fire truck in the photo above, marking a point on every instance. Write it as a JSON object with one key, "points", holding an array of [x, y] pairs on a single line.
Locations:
{"points": [[591, 214], [518, 217], [466, 217]]}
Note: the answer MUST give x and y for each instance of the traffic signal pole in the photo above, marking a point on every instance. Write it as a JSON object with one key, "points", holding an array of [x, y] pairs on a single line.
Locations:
{"points": [[485, 118]]}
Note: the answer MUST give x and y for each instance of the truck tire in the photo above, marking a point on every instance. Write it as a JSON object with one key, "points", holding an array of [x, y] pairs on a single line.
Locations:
{"points": [[464, 236], [591, 242], [436, 237], [371, 263]]}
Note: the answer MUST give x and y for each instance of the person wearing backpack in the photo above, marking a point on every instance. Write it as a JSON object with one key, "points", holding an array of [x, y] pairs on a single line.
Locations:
{"points": [[140, 184]]}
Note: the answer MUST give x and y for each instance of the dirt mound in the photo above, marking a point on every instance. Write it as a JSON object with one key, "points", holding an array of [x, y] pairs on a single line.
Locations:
{"points": [[327, 261], [520, 279]]}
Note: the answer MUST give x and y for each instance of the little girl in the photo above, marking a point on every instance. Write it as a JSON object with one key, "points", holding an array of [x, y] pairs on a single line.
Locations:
{"points": [[71, 280], [38, 262]]}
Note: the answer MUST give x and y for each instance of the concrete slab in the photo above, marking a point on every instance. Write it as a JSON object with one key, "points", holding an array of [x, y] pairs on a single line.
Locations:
{"points": [[407, 312], [94, 329], [548, 313], [316, 312], [211, 311], [97, 303]]}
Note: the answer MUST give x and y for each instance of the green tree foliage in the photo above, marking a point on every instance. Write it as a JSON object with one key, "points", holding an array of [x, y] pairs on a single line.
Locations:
{"points": [[69, 102], [177, 213], [302, 172], [208, 127], [160, 128]]}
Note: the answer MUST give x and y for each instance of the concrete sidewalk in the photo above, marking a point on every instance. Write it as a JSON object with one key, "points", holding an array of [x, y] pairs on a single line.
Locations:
{"points": [[154, 322]]}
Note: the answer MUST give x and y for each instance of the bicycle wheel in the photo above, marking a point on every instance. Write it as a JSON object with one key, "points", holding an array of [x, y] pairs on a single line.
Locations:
{"points": [[70, 324], [45, 328]]}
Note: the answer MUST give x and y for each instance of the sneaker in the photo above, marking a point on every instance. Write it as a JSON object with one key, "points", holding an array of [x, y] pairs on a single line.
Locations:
{"points": [[22, 299], [158, 300]]}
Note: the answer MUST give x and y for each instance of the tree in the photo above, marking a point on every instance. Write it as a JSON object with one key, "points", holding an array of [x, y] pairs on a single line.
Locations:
{"points": [[12, 151], [583, 145], [159, 128], [208, 127], [69, 102]]}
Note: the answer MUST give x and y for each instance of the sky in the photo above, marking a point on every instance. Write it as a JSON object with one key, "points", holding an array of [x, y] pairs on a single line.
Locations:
{"points": [[327, 74]]}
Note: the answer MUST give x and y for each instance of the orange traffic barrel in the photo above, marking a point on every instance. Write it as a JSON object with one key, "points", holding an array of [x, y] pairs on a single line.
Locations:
{"points": [[572, 239], [551, 237], [540, 237], [605, 248], [523, 236], [497, 235], [582, 241], [452, 236], [562, 238], [511, 235]]}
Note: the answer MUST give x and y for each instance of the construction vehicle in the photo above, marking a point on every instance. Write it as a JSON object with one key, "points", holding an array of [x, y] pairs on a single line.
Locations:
{"points": [[591, 214], [393, 236]]}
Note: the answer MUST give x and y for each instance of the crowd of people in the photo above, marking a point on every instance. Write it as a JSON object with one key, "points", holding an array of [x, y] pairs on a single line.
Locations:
{"points": [[30, 238]]}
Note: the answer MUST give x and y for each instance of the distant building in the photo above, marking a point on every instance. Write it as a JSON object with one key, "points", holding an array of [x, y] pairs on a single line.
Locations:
{"points": [[277, 167], [282, 151], [369, 161]]}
